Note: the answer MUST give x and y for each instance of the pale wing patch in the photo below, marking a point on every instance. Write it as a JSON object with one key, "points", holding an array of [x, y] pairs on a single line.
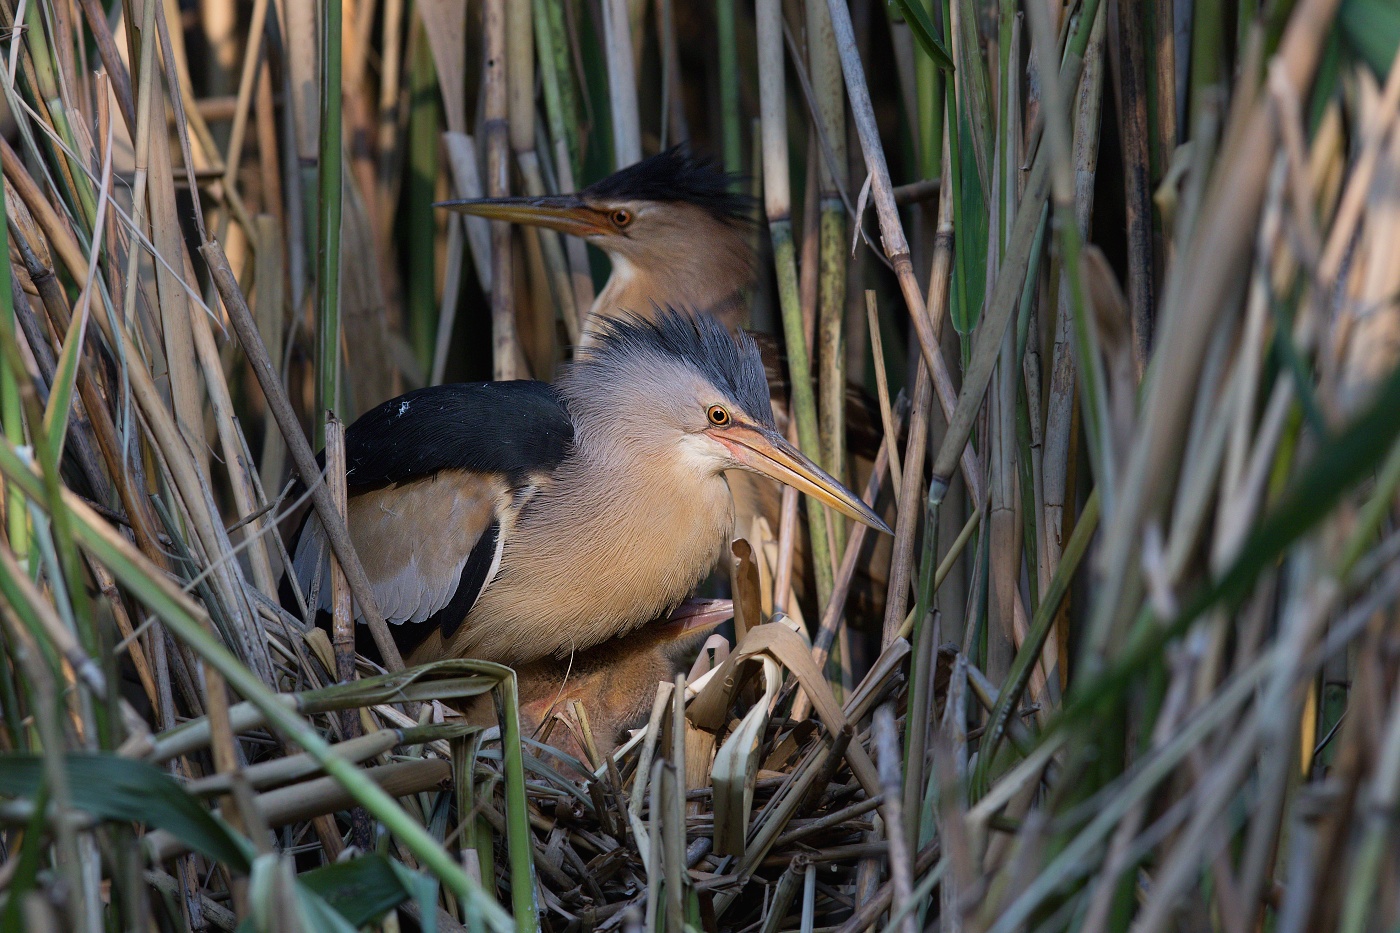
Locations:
{"points": [[413, 539]]}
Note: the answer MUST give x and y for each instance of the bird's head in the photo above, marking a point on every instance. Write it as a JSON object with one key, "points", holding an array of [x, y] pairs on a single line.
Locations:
{"points": [[648, 214], [678, 385]]}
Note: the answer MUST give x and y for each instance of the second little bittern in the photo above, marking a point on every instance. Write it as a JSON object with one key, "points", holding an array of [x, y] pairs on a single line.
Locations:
{"points": [[676, 232]]}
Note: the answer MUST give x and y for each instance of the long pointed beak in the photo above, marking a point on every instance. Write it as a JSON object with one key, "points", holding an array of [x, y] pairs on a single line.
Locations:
{"points": [[564, 212], [768, 452]]}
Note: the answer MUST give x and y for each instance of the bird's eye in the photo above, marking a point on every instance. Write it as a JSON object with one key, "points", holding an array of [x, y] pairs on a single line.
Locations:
{"points": [[718, 415], [621, 217]]}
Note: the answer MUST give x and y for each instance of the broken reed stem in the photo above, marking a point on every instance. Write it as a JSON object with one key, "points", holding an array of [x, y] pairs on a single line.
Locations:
{"points": [[303, 460], [330, 177], [342, 621], [887, 747], [778, 206], [785, 892], [505, 343]]}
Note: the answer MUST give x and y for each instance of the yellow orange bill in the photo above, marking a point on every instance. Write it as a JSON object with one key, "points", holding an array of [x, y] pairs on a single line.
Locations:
{"points": [[564, 213], [765, 451]]}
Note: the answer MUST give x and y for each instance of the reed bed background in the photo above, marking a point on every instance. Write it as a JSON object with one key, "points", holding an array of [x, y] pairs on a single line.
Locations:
{"points": [[1122, 276]]}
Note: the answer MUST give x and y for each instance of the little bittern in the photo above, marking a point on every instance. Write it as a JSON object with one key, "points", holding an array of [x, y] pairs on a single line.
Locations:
{"points": [[676, 233], [511, 521]]}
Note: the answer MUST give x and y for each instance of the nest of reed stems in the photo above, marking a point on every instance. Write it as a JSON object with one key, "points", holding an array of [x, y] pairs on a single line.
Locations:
{"points": [[1136, 663]]}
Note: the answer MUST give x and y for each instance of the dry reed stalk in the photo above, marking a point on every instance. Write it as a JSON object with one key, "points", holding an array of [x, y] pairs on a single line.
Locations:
{"points": [[1218, 246], [1132, 90], [549, 272], [386, 142], [324, 795], [342, 619], [901, 867], [302, 458], [777, 201], [1060, 417], [246, 82], [883, 389], [895, 244], [910, 500], [622, 83], [824, 65], [505, 348], [1004, 525], [807, 286]]}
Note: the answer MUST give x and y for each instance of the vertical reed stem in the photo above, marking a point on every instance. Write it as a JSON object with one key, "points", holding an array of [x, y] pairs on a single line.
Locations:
{"points": [[729, 87], [778, 206], [622, 84], [504, 342], [328, 225], [825, 68]]}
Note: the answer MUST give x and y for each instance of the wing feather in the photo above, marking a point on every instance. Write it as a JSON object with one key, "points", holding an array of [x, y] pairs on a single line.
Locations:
{"points": [[435, 477], [516, 429], [427, 546]]}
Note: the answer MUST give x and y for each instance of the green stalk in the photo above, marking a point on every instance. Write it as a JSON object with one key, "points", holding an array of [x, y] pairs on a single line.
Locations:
{"points": [[188, 623], [80, 188], [802, 400], [729, 87], [778, 207], [560, 106], [67, 551], [1029, 653], [929, 133], [16, 521], [972, 245], [1094, 398], [1207, 47], [328, 226], [831, 343], [825, 69], [523, 896]]}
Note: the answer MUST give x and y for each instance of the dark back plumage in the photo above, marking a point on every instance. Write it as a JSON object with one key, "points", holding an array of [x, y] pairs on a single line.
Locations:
{"points": [[732, 364], [677, 174], [515, 428]]}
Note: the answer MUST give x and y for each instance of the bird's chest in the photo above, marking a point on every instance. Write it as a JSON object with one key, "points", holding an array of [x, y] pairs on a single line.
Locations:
{"points": [[647, 543], [584, 569], [672, 541]]}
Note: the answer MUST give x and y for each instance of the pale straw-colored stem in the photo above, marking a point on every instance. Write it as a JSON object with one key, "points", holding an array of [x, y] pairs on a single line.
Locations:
{"points": [[622, 84], [777, 199], [505, 348]]}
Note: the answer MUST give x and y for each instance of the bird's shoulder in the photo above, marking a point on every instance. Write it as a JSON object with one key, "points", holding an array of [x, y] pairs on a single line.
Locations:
{"points": [[517, 428]]}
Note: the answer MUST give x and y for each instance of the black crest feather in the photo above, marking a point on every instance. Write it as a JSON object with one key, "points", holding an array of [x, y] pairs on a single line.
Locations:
{"points": [[677, 174], [732, 364]]}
